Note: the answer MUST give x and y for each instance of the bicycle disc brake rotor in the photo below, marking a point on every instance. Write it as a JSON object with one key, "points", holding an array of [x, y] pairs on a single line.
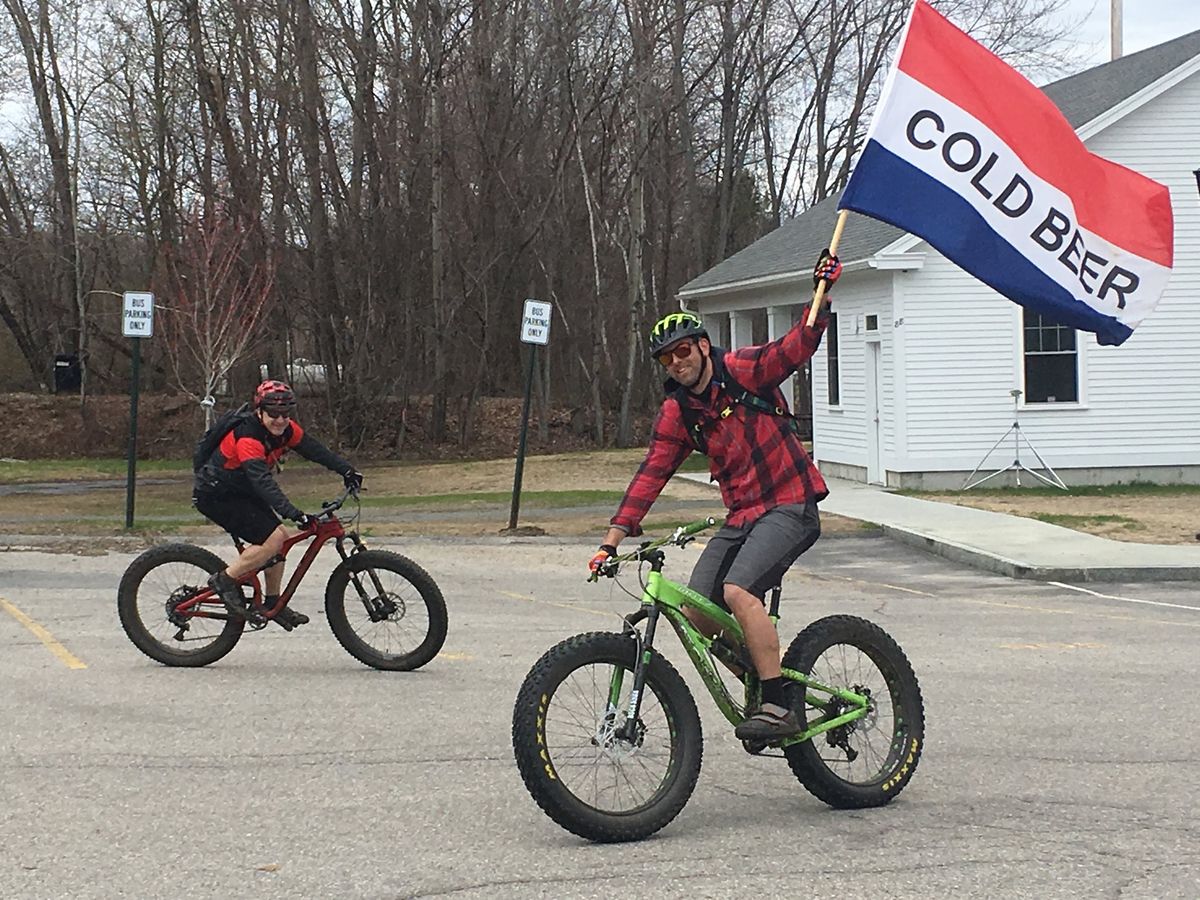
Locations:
{"points": [[179, 596], [388, 605], [617, 747]]}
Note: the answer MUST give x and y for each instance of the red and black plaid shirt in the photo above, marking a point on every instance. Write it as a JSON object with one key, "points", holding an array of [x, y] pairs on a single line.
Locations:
{"points": [[755, 458]]}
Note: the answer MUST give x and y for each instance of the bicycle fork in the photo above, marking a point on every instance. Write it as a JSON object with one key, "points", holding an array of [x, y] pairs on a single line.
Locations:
{"points": [[378, 606], [628, 730]]}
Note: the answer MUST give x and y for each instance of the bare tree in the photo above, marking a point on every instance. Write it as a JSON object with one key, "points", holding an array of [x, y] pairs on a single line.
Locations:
{"points": [[215, 303]]}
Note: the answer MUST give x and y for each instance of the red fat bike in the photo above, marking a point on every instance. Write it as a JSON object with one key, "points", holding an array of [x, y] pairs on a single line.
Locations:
{"points": [[382, 607]]}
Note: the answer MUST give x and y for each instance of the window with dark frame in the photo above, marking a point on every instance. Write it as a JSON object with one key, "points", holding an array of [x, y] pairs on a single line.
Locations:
{"points": [[1051, 360], [831, 355]]}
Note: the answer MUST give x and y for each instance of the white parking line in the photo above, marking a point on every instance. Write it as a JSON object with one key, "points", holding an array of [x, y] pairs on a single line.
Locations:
{"points": [[1071, 587]]}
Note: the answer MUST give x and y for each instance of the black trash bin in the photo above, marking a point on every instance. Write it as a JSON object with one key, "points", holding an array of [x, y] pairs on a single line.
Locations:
{"points": [[66, 372]]}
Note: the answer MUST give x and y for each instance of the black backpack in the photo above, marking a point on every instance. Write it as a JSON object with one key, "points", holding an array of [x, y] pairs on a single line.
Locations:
{"points": [[695, 422], [211, 439]]}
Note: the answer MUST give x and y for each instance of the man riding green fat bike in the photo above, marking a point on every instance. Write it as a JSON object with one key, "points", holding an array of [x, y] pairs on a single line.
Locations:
{"points": [[728, 405]]}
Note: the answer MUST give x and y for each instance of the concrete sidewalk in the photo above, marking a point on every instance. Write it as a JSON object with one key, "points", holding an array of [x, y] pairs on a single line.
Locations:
{"points": [[1009, 545]]}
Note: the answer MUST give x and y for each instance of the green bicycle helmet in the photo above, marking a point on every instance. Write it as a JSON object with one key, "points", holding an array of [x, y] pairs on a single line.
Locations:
{"points": [[675, 327]]}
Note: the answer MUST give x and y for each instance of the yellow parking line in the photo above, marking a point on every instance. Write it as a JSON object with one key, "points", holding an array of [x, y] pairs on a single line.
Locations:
{"points": [[68, 659]]}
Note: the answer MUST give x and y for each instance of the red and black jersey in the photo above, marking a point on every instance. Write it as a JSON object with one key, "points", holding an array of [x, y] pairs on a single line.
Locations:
{"points": [[757, 460], [245, 443], [244, 460]]}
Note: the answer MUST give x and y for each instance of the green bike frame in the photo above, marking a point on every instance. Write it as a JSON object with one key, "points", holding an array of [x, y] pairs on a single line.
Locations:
{"points": [[663, 597]]}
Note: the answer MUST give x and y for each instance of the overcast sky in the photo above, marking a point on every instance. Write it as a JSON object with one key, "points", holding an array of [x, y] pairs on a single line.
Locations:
{"points": [[1147, 22]]}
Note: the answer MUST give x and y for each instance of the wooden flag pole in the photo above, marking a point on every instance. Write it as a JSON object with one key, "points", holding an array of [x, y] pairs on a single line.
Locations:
{"points": [[833, 245]]}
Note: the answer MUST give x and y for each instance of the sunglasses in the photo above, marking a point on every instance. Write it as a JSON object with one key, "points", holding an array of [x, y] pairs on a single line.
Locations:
{"points": [[276, 413], [679, 351]]}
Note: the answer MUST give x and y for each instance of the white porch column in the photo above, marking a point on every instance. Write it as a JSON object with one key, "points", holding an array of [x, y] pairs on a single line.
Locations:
{"points": [[741, 330], [779, 322]]}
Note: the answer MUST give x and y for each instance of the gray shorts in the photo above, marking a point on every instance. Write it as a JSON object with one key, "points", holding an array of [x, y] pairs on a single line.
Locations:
{"points": [[755, 557]]}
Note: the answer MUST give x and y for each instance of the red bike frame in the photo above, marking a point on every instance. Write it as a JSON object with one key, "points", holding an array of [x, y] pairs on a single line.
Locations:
{"points": [[326, 529]]}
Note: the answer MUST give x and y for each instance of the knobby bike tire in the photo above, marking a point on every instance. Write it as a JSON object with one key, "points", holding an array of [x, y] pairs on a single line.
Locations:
{"points": [[135, 628], [903, 745], [537, 760], [339, 592]]}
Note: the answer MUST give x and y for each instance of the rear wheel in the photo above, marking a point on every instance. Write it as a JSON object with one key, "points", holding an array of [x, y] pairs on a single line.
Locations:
{"points": [[866, 762], [148, 598], [589, 771], [386, 611]]}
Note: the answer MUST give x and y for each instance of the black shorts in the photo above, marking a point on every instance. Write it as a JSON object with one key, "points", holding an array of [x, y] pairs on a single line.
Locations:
{"points": [[245, 517], [754, 558]]}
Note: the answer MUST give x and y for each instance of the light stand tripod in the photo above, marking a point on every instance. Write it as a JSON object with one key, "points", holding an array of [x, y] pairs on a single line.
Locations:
{"points": [[1016, 465]]}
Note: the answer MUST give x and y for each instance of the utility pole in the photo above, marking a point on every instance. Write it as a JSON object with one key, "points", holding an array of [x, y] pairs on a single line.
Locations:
{"points": [[1117, 28]]}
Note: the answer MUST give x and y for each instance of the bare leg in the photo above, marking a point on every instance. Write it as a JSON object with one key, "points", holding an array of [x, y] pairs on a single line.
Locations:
{"points": [[761, 638], [256, 554]]}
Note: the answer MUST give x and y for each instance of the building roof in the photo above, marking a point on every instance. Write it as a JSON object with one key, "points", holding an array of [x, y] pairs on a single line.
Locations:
{"points": [[792, 248]]}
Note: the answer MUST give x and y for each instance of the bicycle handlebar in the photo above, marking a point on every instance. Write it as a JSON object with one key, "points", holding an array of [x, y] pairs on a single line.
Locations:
{"points": [[681, 536], [329, 507]]}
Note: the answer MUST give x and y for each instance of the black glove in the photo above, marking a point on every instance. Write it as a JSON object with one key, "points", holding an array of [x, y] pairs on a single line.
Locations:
{"points": [[353, 480], [827, 269], [304, 520]]}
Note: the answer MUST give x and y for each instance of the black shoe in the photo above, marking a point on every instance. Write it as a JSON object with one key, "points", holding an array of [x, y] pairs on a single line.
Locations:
{"points": [[230, 593], [289, 618], [769, 723]]}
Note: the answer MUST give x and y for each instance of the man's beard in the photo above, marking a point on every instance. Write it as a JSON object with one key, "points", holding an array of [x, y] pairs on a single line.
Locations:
{"points": [[699, 372]]}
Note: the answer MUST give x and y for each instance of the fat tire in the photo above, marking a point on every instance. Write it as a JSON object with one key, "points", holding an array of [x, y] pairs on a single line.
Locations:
{"points": [[431, 596], [131, 621], [555, 799], [909, 728]]}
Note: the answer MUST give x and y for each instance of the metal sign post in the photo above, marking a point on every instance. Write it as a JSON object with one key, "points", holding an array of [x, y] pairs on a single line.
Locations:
{"points": [[137, 323], [535, 330]]}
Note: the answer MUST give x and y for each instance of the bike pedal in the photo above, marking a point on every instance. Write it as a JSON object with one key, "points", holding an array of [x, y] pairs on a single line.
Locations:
{"points": [[760, 748]]}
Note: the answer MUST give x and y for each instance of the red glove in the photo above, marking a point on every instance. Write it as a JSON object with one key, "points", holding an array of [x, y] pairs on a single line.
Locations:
{"points": [[602, 556], [828, 269]]}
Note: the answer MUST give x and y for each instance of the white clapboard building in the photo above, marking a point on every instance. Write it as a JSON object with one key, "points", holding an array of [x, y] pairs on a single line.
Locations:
{"points": [[913, 384]]}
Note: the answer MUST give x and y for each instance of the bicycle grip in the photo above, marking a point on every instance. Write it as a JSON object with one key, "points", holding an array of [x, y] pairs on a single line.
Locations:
{"points": [[699, 526]]}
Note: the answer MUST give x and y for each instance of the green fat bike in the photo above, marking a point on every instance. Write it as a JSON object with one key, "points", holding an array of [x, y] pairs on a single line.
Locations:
{"points": [[607, 736]]}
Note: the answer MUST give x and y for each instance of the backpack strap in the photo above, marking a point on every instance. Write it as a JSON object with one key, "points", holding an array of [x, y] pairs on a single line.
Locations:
{"points": [[695, 422]]}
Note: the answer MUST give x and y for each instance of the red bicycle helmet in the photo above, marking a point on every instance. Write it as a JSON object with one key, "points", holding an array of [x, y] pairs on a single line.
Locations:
{"points": [[275, 395]]}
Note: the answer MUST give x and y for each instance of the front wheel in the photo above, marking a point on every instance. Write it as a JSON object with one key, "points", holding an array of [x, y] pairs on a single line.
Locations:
{"points": [[866, 762], [153, 590], [386, 611], [590, 769]]}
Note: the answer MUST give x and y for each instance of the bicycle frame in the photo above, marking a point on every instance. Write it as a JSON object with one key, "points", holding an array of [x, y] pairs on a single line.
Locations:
{"points": [[326, 530], [664, 597]]}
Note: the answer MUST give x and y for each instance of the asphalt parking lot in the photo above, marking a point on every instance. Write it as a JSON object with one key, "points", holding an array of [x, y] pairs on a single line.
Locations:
{"points": [[1060, 756]]}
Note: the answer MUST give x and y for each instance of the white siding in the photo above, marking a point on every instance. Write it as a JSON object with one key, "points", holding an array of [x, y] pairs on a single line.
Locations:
{"points": [[839, 433]]}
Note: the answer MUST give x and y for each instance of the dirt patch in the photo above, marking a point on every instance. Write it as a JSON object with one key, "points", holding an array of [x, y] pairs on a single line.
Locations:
{"points": [[1139, 518]]}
